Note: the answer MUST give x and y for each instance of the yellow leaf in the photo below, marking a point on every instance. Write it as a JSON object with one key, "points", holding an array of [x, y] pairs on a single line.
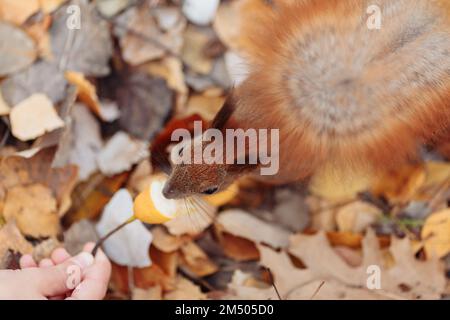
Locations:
{"points": [[17, 12], [402, 184], [86, 90], [436, 234]]}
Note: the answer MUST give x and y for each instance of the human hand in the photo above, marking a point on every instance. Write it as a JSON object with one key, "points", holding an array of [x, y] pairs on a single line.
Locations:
{"points": [[80, 277]]}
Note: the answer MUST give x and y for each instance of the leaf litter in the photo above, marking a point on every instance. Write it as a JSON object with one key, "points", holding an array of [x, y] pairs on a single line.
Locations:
{"points": [[87, 114]]}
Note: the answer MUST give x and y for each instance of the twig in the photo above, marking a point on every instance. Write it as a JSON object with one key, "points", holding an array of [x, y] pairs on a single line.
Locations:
{"points": [[317, 290], [272, 281]]}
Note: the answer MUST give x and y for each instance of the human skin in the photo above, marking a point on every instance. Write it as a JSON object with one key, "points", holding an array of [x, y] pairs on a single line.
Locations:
{"points": [[49, 278]]}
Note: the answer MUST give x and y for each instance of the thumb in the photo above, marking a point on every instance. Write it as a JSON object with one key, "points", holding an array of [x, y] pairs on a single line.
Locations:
{"points": [[64, 277]]}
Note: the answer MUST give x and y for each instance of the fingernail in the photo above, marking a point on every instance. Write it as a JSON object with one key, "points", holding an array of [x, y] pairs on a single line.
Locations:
{"points": [[84, 259]]}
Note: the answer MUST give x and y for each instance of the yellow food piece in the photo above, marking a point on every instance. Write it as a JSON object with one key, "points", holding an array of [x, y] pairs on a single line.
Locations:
{"points": [[223, 197], [150, 206]]}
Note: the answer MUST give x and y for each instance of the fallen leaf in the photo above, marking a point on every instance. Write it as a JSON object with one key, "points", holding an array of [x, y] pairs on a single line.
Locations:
{"points": [[242, 224], [34, 116], [237, 248], [90, 197], [195, 42], [196, 260], [129, 246], [23, 84], [141, 177], [145, 103], [436, 234], [12, 239], [206, 107], [167, 261], [38, 31], [17, 49], [357, 216], [171, 69], [402, 184], [86, 49], [34, 209], [200, 12], [17, 12], [18, 171], [86, 90], [185, 289], [152, 293], [109, 8], [78, 235], [4, 108], [135, 26], [167, 242], [48, 6], [424, 279], [120, 153], [86, 141], [152, 276]]}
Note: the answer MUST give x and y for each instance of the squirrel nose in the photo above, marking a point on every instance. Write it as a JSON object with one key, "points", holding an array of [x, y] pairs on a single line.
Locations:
{"points": [[168, 192]]}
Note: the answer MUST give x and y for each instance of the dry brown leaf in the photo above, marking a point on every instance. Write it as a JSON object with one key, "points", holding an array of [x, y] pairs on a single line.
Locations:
{"points": [[185, 290], [167, 261], [436, 234], [14, 41], [424, 279], [4, 108], [18, 171], [87, 92], [193, 54], [17, 12], [402, 184], [48, 6], [167, 242], [12, 239], [237, 248], [151, 276], [136, 49], [34, 209], [120, 153], [34, 116], [206, 107], [171, 69], [152, 293], [357, 216], [39, 32], [141, 176], [196, 260], [242, 224]]}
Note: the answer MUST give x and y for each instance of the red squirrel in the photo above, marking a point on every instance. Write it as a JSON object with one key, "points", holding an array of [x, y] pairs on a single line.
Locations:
{"points": [[338, 91]]}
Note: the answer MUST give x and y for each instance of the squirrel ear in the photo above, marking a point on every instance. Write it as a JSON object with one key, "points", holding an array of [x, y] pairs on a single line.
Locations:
{"points": [[225, 112]]}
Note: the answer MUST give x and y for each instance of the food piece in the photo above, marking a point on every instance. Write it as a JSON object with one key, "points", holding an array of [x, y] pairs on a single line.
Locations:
{"points": [[150, 206]]}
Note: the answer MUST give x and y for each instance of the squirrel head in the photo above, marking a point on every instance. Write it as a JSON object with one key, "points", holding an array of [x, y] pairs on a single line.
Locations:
{"points": [[197, 175]]}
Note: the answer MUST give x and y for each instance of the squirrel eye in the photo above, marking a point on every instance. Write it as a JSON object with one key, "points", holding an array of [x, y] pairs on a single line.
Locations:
{"points": [[210, 190]]}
